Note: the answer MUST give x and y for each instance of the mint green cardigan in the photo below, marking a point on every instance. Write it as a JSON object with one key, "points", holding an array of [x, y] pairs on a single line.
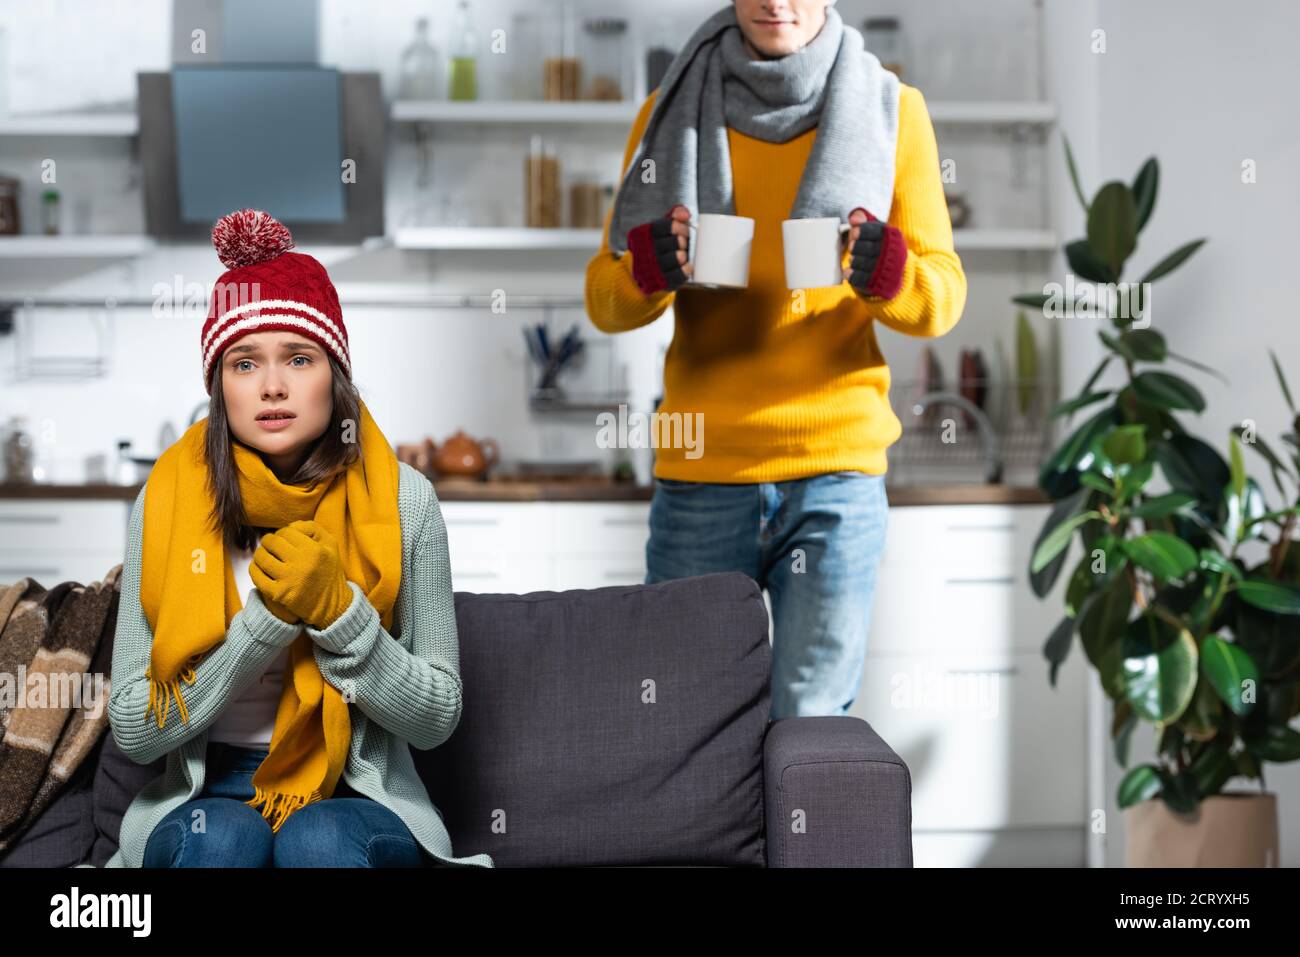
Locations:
{"points": [[406, 687]]}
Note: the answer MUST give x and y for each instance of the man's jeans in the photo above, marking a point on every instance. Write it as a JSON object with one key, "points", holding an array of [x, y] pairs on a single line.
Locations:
{"points": [[813, 543], [347, 829]]}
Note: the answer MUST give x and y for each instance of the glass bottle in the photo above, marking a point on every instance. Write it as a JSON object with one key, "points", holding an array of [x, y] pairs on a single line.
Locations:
{"points": [[50, 208], [606, 60], [884, 37], [420, 71], [462, 81]]}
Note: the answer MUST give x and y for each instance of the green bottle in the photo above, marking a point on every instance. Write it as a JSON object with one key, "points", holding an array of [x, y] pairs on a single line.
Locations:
{"points": [[462, 81]]}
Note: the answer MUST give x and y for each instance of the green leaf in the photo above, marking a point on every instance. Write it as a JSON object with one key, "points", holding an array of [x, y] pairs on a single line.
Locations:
{"points": [[1078, 402], [1058, 646], [1144, 191], [1159, 682], [1191, 465], [1074, 172], [1212, 768], [1075, 448], [1142, 783], [1041, 582], [1112, 225], [1059, 539], [1146, 345], [1164, 555], [1275, 464], [1035, 299], [1169, 391], [1093, 480], [1217, 562], [1271, 596], [1197, 365], [1172, 261], [1086, 264], [1163, 505], [1281, 380], [1118, 345], [1244, 511], [1228, 668], [1278, 742], [1101, 625], [1126, 445], [1236, 467], [1096, 373]]}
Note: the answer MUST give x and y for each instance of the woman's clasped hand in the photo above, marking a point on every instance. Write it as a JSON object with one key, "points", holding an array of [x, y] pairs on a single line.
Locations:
{"points": [[300, 574]]}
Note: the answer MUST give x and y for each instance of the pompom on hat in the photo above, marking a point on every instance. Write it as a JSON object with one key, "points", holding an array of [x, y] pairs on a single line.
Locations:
{"points": [[265, 287]]}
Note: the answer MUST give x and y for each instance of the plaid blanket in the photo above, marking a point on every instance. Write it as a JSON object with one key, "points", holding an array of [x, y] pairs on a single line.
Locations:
{"points": [[56, 649]]}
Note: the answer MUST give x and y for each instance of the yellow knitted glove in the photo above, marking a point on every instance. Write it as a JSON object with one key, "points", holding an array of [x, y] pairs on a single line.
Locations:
{"points": [[300, 568], [275, 608]]}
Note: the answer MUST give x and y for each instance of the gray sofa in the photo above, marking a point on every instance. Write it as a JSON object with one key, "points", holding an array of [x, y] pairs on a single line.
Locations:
{"points": [[625, 725]]}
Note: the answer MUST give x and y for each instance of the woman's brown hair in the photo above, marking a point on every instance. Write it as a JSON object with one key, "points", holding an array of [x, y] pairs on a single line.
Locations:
{"points": [[329, 456]]}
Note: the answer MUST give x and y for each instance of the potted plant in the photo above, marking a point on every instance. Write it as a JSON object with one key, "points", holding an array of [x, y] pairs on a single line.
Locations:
{"points": [[1184, 633]]}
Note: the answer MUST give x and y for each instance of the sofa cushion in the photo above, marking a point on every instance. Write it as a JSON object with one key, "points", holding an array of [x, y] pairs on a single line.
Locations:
{"points": [[610, 726], [62, 835], [118, 779]]}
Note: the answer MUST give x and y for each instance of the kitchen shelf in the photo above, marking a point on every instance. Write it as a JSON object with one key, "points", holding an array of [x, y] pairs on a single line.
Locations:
{"points": [[1012, 240], [507, 238], [622, 113], [491, 237], [69, 247], [70, 124]]}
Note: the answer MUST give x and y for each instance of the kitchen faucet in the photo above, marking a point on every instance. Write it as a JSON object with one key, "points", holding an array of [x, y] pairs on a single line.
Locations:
{"points": [[988, 435]]}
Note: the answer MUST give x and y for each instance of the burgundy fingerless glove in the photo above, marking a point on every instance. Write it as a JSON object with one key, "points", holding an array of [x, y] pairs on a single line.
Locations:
{"points": [[878, 259], [653, 246]]}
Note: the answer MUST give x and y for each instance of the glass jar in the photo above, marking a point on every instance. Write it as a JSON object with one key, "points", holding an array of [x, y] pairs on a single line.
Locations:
{"points": [[420, 69], [561, 68], [19, 453], [541, 185], [884, 37], [605, 59], [525, 46]]}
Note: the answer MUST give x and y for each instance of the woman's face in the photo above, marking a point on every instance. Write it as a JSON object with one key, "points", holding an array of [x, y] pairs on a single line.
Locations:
{"points": [[281, 371], [776, 28]]}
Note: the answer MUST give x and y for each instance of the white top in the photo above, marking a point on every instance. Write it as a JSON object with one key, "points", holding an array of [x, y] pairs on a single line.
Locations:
{"points": [[249, 720]]}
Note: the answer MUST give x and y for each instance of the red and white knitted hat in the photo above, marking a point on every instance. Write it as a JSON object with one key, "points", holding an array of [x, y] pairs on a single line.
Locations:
{"points": [[267, 287]]}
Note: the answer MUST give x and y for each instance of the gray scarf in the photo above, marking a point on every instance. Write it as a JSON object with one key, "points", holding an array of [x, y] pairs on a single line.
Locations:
{"points": [[833, 83]]}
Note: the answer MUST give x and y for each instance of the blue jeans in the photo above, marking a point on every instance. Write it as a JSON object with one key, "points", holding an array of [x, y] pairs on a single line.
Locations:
{"points": [[813, 543], [347, 829]]}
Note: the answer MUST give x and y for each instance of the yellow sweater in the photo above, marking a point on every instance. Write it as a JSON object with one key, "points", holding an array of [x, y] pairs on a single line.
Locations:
{"points": [[790, 383]]}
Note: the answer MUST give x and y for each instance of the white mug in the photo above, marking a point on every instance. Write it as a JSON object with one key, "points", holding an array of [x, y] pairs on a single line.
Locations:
{"points": [[722, 247], [814, 249]]}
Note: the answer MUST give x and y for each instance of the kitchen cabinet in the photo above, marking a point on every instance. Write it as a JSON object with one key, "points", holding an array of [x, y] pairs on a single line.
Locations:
{"points": [[534, 546], [955, 680], [53, 540]]}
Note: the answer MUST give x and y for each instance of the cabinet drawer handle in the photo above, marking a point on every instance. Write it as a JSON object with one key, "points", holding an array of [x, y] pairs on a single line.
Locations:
{"points": [[991, 580], [30, 519], [981, 528], [1013, 669], [28, 571], [630, 522], [627, 574]]}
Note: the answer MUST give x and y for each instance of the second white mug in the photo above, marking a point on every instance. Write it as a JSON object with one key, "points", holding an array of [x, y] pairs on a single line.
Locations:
{"points": [[814, 249]]}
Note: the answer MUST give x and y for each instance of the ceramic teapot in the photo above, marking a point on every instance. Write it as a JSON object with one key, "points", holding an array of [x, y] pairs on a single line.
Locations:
{"points": [[462, 455]]}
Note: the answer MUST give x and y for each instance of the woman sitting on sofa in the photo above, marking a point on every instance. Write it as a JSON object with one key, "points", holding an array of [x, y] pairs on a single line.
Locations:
{"points": [[287, 717]]}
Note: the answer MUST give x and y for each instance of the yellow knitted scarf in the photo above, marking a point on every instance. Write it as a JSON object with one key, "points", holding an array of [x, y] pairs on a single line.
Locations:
{"points": [[188, 592]]}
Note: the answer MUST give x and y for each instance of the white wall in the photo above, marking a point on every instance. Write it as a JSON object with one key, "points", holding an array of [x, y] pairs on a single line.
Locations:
{"points": [[1203, 88]]}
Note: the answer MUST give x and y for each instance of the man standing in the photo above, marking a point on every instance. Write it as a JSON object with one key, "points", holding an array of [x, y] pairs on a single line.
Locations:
{"points": [[774, 110]]}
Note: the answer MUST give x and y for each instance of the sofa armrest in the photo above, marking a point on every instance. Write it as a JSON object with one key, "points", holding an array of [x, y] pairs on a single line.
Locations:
{"points": [[836, 795]]}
